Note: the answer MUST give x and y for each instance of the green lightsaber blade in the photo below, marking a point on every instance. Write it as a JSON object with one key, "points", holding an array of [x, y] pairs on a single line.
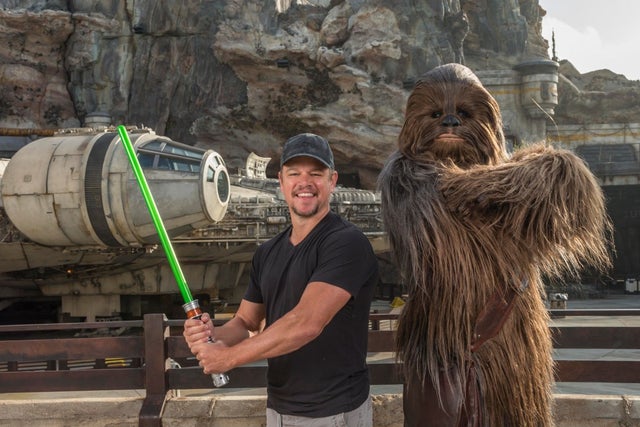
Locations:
{"points": [[155, 215], [191, 306]]}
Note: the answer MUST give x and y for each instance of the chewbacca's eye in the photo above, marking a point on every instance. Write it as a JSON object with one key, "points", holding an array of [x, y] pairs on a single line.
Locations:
{"points": [[463, 114], [436, 114]]}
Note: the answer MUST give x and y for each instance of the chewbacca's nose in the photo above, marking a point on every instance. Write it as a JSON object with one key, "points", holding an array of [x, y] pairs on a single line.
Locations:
{"points": [[450, 121]]}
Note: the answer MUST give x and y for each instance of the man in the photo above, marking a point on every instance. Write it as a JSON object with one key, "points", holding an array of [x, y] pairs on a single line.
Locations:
{"points": [[312, 284]]}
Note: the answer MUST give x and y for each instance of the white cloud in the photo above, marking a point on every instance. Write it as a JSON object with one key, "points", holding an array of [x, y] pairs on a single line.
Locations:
{"points": [[572, 44], [595, 42]]}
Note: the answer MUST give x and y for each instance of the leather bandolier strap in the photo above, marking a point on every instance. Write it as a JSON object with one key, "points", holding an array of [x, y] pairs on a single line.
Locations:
{"points": [[462, 404], [492, 317]]}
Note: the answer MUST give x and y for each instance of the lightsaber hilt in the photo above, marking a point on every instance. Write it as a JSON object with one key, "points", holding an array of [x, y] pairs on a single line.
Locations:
{"points": [[193, 311]]}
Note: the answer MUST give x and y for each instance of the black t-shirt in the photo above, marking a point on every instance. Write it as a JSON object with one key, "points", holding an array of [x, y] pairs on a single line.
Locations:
{"points": [[328, 375]]}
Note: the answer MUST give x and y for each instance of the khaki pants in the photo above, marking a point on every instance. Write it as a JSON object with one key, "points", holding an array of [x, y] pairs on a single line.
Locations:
{"points": [[359, 417]]}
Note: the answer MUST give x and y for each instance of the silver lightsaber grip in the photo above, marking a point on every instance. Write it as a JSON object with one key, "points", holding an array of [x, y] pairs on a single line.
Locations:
{"points": [[193, 311]]}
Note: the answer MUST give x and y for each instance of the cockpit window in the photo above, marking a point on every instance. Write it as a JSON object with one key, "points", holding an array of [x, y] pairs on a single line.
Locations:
{"points": [[182, 151], [170, 155]]}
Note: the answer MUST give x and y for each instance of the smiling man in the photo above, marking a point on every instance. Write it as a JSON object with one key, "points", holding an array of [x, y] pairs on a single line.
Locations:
{"points": [[312, 285]]}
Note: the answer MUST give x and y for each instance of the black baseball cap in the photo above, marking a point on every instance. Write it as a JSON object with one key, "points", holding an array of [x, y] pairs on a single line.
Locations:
{"points": [[310, 145]]}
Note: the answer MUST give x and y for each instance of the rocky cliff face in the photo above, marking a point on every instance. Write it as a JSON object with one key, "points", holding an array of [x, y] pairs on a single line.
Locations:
{"points": [[244, 75], [596, 97]]}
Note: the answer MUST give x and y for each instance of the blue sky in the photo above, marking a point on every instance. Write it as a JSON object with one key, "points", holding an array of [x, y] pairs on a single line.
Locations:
{"points": [[595, 34]]}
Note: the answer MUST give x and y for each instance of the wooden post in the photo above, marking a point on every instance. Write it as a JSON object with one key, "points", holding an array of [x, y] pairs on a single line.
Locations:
{"points": [[156, 330]]}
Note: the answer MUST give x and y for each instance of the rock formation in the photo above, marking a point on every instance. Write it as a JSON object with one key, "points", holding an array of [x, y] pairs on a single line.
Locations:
{"points": [[243, 75], [596, 97]]}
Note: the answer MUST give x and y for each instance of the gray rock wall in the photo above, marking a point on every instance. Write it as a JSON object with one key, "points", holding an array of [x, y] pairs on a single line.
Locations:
{"points": [[240, 76]]}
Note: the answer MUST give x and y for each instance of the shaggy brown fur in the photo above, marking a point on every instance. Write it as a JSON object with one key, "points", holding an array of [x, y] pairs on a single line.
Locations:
{"points": [[471, 229]]}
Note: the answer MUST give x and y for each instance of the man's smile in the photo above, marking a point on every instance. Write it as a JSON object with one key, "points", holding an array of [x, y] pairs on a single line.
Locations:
{"points": [[305, 195]]}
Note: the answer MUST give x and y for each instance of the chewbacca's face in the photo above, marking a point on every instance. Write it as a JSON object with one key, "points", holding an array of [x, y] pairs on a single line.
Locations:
{"points": [[451, 117]]}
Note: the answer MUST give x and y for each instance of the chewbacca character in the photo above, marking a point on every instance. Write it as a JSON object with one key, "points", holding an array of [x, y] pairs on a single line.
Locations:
{"points": [[473, 233]]}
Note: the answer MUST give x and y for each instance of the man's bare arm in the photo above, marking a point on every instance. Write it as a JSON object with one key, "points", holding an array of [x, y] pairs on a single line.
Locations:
{"points": [[248, 318], [318, 305]]}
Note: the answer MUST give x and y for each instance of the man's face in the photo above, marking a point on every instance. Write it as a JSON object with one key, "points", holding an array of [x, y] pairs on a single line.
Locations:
{"points": [[307, 185]]}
